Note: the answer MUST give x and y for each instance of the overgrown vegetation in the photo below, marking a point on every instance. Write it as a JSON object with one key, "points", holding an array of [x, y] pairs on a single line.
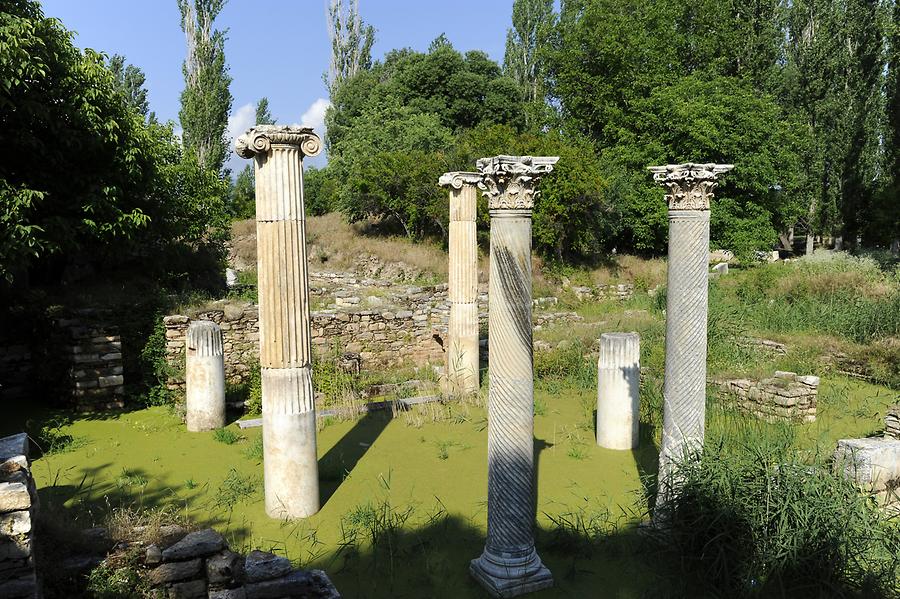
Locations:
{"points": [[755, 518]]}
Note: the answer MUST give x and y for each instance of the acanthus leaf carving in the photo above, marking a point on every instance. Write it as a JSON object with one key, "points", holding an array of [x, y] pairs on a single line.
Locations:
{"points": [[689, 186], [510, 182]]}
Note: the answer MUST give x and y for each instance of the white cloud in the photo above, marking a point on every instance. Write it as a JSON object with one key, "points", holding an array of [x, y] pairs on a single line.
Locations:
{"points": [[243, 118], [315, 116]]}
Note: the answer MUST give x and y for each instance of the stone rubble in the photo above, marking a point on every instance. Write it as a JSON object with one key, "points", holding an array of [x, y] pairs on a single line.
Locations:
{"points": [[18, 506], [201, 565], [892, 422]]}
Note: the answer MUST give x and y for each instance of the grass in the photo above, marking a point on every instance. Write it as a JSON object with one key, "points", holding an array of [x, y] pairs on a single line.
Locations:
{"points": [[404, 499], [226, 436]]}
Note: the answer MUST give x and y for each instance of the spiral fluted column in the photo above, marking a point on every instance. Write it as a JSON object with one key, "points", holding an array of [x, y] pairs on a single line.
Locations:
{"points": [[690, 189], [290, 463], [509, 565], [462, 284]]}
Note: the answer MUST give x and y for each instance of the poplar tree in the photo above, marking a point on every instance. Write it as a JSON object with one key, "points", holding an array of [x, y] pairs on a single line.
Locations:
{"points": [[524, 60], [130, 80], [351, 42], [206, 99]]}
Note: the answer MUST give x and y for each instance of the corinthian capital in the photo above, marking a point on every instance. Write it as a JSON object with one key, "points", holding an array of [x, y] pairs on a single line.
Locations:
{"points": [[457, 179], [259, 140], [509, 182], [690, 186]]}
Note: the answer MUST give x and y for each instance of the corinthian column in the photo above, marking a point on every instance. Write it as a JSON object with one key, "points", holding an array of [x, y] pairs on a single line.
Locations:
{"points": [[289, 416], [509, 565], [690, 189], [462, 352]]}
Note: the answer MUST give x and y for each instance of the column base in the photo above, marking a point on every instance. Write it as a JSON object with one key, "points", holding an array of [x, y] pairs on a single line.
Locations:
{"points": [[510, 577]]}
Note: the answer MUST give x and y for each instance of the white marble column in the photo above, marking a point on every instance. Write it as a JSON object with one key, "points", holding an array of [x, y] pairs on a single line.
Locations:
{"points": [[509, 565], [690, 189], [204, 377], [618, 390], [462, 288], [289, 416]]}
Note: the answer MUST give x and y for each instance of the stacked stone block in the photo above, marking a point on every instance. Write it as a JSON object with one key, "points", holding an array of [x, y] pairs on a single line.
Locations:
{"points": [[95, 373], [201, 565], [18, 503], [785, 396], [15, 371], [892, 422], [620, 292]]}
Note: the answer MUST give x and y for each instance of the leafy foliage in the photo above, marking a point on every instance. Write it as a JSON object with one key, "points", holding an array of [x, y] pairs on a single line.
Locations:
{"points": [[87, 172], [206, 99]]}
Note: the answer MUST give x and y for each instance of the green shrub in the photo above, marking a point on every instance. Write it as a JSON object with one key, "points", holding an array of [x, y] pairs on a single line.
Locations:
{"points": [[753, 520], [566, 364], [155, 368]]}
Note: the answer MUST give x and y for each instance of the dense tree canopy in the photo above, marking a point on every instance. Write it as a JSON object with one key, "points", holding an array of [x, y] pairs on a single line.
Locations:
{"points": [[82, 170]]}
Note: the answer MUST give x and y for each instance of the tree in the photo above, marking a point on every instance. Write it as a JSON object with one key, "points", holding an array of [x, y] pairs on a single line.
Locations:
{"points": [[833, 83], [406, 113], [206, 99], [524, 61], [86, 175], [885, 225], [263, 116], [351, 43], [130, 80]]}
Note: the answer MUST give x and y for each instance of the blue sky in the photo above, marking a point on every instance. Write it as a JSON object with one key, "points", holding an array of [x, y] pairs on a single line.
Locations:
{"points": [[275, 48]]}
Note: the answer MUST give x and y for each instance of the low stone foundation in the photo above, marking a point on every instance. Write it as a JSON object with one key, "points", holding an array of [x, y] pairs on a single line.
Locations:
{"points": [[18, 504], [380, 338], [200, 565], [785, 396]]}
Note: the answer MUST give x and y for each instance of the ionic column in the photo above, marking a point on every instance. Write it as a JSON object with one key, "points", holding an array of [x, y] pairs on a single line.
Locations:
{"points": [[462, 289], [289, 417], [690, 188], [618, 390], [204, 377], [509, 565]]}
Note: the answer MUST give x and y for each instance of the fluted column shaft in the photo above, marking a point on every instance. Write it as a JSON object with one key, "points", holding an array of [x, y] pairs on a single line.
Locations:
{"points": [[510, 565], [618, 390], [289, 418], [462, 288], [204, 376], [690, 188]]}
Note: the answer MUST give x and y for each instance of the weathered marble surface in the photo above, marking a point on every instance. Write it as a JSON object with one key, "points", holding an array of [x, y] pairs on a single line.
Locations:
{"points": [[689, 191], [618, 390], [510, 565], [289, 421], [204, 377], [462, 338]]}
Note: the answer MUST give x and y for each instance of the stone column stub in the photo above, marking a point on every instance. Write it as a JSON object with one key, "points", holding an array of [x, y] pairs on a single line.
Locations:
{"points": [[285, 353], [204, 377], [618, 390], [510, 565], [462, 285], [689, 189]]}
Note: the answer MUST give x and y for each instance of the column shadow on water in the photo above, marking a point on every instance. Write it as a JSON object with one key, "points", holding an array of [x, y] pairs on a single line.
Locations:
{"points": [[539, 446], [646, 458], [340, 460]]}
